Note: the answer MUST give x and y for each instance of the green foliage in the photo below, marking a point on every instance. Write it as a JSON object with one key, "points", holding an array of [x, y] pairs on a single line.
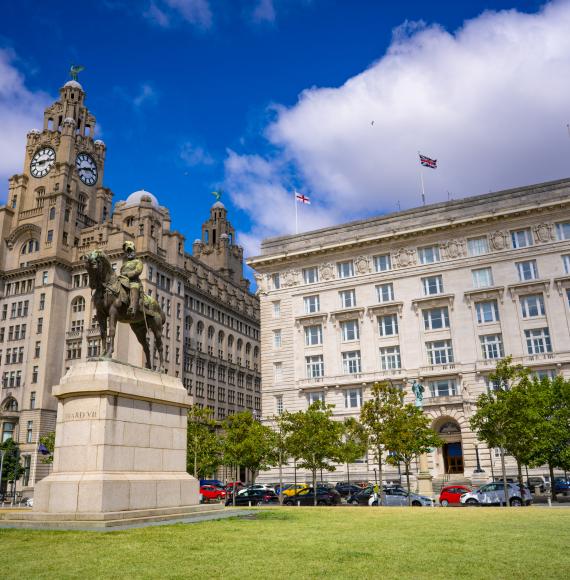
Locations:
{"points": [[48, 441], [204, 454], [12, 469], [354, 441]]}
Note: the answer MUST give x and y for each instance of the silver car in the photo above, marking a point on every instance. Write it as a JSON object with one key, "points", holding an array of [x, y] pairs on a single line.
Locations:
{"points": [[395, 496], [494, 494]]}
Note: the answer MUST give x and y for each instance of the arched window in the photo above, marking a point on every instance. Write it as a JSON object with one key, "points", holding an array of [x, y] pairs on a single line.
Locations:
{"points": [[11, 405], [239, 344], [449, 428], [78, 304], [188, 323], [230, 341], [247, 349], [211, 332], [30, 246], [52, 213], [256, 352], [200, 328], [221, 338]]}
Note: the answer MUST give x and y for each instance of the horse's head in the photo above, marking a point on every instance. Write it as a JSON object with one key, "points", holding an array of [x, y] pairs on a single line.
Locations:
{"points": [[98, 266]]}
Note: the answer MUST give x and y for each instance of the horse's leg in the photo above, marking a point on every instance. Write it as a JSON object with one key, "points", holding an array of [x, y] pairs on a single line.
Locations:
{"points": [[140, 332], [102, 320], [157, 331], [113, 314]]}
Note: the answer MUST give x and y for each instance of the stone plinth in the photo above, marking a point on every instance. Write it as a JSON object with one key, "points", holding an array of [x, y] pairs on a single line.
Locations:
{"points": [[120, 446]]}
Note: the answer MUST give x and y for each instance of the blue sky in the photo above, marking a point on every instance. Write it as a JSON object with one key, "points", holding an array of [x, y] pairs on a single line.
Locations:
{"points": [[260, 97]]}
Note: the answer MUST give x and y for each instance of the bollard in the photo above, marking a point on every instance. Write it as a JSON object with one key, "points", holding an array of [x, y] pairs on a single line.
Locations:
{"points": [[549, 501], [298, 503], [249, 503]]}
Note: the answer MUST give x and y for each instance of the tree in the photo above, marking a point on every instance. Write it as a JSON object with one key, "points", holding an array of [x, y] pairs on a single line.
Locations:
{"points": [[281, 449], [204, 450], [408, 435], [48, 443], [353, 444], [12, 469], [375, 415], [314, 439]]}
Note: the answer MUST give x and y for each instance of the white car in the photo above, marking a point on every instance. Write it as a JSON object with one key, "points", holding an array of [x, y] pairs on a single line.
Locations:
{"points": [[255, 487], [494, 494]]}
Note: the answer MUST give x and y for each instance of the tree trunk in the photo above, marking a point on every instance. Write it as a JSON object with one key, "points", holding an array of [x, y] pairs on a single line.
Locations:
{"points": [[348, 476], [280, 477], [552, 486], [381, 494], [314, 487], [234, 491], [504, 470], [521, 482], [407, 464]]}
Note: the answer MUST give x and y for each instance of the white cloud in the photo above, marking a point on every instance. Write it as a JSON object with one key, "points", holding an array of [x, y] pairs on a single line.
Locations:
{"points": [[489, 101], [20, 110], [194, 155], [196, 12], [145, 95], [264, 11]]}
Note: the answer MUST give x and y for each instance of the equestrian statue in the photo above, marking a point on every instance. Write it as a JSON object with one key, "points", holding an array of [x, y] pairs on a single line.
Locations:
{"points": [[122, 299]]}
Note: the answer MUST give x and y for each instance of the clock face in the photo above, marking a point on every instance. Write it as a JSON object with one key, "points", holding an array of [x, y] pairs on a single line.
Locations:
{"points": [[42, 162], [86, 168]]}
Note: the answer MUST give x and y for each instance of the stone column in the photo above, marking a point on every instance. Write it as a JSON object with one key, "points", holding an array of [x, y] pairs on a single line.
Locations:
{"points": [[425, 478]]}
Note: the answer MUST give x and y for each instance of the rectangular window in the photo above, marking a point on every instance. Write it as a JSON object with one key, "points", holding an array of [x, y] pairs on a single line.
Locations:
{"points": [[482, 278], [277, 309], [477, 246], [436, 318], [311, 275], [345, 269], [388, 325], [347, 298], [349, 330], [566, 262], [521, 238], [42, 303], [315, 366], [487, 311], [311, 304], [313, 335], [563, 231], [315, 396], [351, 362], [277, 339], [30, 432], [275, 281], [33, 399], [440, 352], [277, 372], [35, 375], [538, 340], [49, 236], [532, 305], [429, 255], [279, 404], [527, 270], [352, 398], [385, 292], [390, 358], [432, 285], [492, 346], [44, 278], [443, 388], [382, 263]]}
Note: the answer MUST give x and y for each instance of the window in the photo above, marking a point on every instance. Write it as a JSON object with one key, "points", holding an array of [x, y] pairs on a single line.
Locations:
{"points": [[527, 270], [388, 325], [541, 374], [277, 372], [35, 371], [277, 309], [347, 298], [493, 385], [44, 278], [315, 366], [78, 304], [275, 281], [49, 238], [353, 398], [311, 304], [566, 262], [33, 399], [277, 339], [30, 432], [436, 318], [432, 285], [443, 388], [563, 231], [385, 292], [538, 340], [345, 269], [38, 349], [313, 335], [390, 358], [492, 346], [315, 396], [311, 275], [351, 362], [487, 311], [440, 352], [278, 404], [7, 431], [429, 255], [532, 305], [42, 303], [482, 278], [349, 330], [521, 238], [382, 263], [477, 246]]}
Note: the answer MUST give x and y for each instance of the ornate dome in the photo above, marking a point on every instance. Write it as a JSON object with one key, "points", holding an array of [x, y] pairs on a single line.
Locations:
{"points": [[73, 84], [142, 195], [34, 132], [69, 121], [99, 143], [219, 204]]}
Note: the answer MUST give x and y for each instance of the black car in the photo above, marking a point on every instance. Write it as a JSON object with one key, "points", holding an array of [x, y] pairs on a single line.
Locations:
{"points": [[255, 496], [345, 489], [325, 496]]}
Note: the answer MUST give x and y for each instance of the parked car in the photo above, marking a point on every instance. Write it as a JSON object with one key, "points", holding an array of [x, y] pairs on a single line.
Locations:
{"points": [[261, 486], [494, 494], [212, 492], [255, 496], [452, 494], [345, 489], [295, 488], [395, 496], [561, 485], [215, 482], [535, 481], [325, 496], [229, 487]]}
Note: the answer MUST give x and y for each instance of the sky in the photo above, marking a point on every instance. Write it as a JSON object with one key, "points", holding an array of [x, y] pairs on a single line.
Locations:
{"points": [[331, 98]]}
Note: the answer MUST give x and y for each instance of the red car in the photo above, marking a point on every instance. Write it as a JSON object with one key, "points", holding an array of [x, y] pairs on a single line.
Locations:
{"points": [[211, 492], [452, 493]]}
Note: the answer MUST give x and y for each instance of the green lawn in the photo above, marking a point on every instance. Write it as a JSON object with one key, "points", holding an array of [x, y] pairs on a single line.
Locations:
{"points": [[322, 543]]}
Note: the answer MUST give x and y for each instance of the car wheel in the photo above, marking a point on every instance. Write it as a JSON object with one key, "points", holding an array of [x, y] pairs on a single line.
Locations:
{"points": [[444, 503], [416, 504], [516, 502], [321, 502], [471, 502], [289, 502], [259, 503]]}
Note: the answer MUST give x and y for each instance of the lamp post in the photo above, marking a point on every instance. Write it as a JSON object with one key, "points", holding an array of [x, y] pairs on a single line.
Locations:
{"points": [[2, 452], [478, 469]]}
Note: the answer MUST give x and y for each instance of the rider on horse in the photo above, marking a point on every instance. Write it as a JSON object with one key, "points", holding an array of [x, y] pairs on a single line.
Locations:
{"points": [[130, 277]]}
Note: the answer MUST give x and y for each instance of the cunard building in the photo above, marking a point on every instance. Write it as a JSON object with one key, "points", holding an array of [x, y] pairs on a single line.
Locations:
{"points": [[57, 210]]}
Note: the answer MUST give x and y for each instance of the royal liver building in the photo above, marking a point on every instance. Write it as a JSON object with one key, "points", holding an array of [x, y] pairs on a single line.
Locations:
{"points": [[57, 210]]}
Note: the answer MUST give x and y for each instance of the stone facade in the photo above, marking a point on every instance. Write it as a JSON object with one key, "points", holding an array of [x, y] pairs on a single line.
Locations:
{"points": [[57, 210], [434, 294]]}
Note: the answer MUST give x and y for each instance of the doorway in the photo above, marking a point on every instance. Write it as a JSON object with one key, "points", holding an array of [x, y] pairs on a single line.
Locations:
{"points": [[453, 457]]}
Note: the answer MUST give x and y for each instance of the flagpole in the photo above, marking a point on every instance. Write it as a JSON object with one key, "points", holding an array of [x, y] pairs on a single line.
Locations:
{"points": [[296, 214], [422, 181]]}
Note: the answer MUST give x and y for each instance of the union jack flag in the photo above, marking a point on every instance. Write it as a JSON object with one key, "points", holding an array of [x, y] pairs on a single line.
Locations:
{"points": [[302, 198], [427, 162]]}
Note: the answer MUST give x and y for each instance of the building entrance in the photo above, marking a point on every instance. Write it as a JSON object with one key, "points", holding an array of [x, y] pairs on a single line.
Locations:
{"points": [[453, 457]]}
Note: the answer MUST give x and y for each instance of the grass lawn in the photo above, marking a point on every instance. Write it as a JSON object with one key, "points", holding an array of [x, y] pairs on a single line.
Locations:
{"points": [[322, 543]]}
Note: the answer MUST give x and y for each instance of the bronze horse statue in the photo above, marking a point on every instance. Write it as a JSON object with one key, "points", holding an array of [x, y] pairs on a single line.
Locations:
{"points": [[111, 301]]}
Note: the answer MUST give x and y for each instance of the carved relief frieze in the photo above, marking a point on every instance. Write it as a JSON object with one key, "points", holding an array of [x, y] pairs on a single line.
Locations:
{"points": [[290, 278], [262, 285], [326, 271], [362, 264], [453, 249], [499, 240], [404, 257], [543, 233]]}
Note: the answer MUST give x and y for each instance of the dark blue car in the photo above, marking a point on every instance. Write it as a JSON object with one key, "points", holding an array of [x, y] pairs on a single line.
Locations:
{"points": [[215, 482], [561, 485]]}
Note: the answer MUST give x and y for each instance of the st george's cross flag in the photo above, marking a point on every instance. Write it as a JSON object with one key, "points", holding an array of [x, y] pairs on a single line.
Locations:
{"points": [[427, 162], [302, 198]]}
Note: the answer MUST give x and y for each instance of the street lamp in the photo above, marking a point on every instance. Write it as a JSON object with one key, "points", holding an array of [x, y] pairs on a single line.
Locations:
{"points": [[478, 469]]}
